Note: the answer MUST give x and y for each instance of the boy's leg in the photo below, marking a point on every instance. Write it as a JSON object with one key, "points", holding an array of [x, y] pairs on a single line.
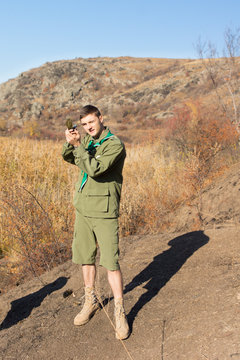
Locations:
{"points": [[106, 231], [116, 283], [89, 275], [84, 252]]}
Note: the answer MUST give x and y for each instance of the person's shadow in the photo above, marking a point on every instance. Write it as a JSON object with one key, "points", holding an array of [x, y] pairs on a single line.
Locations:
{"points": [[22, 308], [163, 267]]}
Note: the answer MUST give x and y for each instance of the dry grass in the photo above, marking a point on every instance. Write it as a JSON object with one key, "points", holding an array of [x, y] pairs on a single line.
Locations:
{"points": [[152, 188], [36, 212]]}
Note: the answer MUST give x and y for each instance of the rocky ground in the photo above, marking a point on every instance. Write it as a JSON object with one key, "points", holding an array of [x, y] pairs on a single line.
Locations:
{"points": [[182, 296]]}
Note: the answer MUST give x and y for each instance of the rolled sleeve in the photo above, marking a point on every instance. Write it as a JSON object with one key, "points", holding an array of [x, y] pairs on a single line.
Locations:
{"points": [[67, 153]]}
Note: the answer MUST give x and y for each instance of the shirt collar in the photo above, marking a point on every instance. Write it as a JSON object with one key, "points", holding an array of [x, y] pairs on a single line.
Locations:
{"points": [[103, 134]]}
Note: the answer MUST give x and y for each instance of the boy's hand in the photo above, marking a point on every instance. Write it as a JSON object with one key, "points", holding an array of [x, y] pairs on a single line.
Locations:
{"points": [[73, 137]]}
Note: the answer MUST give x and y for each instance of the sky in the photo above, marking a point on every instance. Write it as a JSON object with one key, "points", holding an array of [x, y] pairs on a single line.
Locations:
{"points": [[33, 32]]}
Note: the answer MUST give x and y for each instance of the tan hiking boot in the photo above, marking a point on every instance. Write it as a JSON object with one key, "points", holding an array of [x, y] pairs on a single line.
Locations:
{"points": [[91, 305], [122, 328]]}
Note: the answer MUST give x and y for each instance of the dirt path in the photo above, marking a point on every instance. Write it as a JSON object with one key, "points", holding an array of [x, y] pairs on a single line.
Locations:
{"points": [[182, 296]]}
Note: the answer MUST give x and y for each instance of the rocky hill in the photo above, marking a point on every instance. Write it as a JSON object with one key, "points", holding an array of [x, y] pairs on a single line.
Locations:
{"points": [[129, 91]]}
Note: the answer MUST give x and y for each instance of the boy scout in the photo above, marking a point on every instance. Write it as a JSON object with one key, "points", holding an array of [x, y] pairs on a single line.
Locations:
{"points": [[100, 157]]}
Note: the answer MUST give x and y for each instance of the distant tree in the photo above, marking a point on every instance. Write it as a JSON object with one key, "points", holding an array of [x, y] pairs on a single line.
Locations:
{"points": [[31, 129], [224, 73]]}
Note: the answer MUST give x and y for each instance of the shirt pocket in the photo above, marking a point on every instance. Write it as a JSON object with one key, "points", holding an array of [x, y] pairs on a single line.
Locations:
{"points": [[97, 200]]}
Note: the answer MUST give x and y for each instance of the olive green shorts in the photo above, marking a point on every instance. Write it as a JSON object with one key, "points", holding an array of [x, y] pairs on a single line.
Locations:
{"points": [[90, 231]]}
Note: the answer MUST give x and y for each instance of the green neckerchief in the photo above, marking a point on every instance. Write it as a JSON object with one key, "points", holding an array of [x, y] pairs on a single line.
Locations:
{"points": [[90, 149]]}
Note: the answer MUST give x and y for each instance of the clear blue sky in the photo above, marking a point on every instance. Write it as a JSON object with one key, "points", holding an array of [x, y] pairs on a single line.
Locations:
{"points": [[33, 32]]}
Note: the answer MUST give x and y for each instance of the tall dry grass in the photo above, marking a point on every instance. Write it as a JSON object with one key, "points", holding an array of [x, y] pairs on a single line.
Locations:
{"points": [[153, 186], [36, 219]]}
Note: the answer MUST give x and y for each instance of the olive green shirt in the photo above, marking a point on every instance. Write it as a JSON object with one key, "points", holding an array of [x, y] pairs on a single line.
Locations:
{"points": [[100, 196]]}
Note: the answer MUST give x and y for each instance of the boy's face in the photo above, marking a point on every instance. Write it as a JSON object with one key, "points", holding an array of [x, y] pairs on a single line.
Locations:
{"points": [[93, 125]]}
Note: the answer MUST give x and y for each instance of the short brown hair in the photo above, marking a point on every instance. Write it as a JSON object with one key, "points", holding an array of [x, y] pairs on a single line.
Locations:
{"points": [[87, 110]]}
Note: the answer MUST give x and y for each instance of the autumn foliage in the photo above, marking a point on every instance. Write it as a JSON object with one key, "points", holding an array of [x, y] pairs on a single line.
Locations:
{"points": [[201, 134]]}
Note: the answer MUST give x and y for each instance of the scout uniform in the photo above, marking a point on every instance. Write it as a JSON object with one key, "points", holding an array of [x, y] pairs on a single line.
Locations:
{"points": [[97, 197]]}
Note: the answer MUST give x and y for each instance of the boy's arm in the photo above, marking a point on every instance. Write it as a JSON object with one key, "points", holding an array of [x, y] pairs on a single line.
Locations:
{"points": [[73, 138]]}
